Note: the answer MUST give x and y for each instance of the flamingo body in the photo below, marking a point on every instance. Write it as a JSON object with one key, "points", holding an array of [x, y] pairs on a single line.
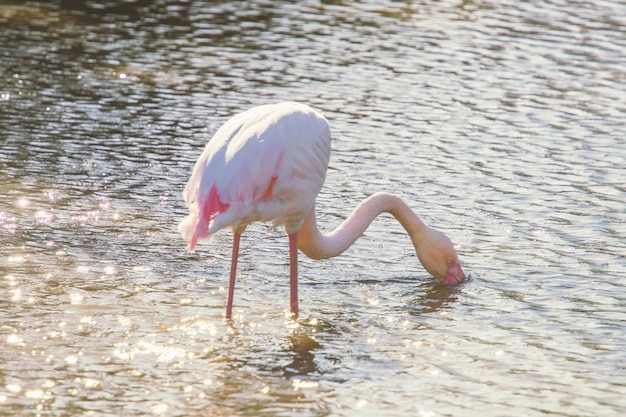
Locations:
{"points": [[266, 164]]}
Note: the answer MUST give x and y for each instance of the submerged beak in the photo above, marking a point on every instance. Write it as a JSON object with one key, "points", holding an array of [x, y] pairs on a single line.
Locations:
{"points": [[454, 275]]}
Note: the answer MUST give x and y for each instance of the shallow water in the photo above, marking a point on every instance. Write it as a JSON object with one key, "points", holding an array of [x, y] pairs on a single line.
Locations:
{"points": [[502, 124]]}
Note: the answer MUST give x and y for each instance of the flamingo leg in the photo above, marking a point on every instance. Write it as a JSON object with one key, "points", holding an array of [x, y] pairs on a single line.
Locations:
{"points": [[233, 274], [293, 272]]}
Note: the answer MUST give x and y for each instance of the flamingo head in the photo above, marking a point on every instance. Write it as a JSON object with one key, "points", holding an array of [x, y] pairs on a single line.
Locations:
{"points": [[454, 274], [438, 256]]}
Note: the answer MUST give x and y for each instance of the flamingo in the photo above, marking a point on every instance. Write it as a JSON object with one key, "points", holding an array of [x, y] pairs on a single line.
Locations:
{"points": [[268, 164]]}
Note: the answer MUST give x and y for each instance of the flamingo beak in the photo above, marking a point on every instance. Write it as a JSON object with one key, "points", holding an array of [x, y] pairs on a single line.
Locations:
{"points": [[454, 275]]}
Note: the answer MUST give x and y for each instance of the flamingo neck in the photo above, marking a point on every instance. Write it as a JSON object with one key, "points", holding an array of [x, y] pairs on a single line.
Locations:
{"points": [[317, 245]]}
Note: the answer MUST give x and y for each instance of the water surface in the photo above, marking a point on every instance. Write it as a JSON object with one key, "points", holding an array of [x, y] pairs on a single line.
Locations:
{"points": [[501, 124]]}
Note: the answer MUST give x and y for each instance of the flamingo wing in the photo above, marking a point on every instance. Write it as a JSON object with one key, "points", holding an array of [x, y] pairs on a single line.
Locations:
{"points": [[265, 164]]}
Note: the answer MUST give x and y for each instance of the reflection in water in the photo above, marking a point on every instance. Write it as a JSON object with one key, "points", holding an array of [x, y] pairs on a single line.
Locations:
{"points": [[437, 297], [501, 124], [302, 347]]}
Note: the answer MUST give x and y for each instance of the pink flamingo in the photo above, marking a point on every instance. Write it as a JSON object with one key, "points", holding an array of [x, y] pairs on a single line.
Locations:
{"points": [[268, 164]]}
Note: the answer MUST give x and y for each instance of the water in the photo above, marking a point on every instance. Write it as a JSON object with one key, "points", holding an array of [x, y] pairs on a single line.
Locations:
{"points": [[502, 124]]}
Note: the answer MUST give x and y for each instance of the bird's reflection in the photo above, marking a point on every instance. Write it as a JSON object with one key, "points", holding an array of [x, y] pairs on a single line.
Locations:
{"points": [[431, 297], [303, 360]]}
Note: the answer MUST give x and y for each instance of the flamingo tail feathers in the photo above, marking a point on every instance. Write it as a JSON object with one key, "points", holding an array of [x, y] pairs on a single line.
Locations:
{"points": [[195, 227]]}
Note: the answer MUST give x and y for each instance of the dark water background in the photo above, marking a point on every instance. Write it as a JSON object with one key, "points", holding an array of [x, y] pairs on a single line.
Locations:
{"points": [[501, 123]]}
